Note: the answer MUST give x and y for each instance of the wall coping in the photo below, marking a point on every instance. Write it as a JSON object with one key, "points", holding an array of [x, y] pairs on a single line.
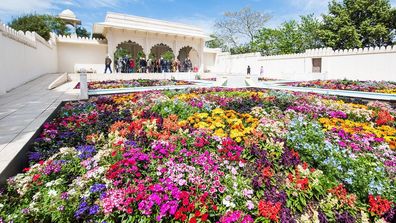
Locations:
{"points": [[30, 39], [80, 40], [322, 52]]}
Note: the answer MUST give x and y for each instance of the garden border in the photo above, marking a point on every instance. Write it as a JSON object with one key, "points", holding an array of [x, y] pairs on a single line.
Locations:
{"points": [[20, 160]]}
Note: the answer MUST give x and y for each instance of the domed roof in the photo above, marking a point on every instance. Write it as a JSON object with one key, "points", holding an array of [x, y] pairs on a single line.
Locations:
{"points": [[67, 14]]}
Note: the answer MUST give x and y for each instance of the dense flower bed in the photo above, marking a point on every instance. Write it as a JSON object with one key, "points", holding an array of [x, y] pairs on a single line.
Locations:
{"points": [[387, 87], [210, 155], [114, 84]]}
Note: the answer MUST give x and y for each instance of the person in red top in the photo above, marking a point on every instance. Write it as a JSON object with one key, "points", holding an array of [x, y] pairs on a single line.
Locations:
{"points": [[132, 65]]}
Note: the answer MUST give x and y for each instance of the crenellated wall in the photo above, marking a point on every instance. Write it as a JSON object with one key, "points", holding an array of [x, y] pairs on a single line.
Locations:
{"points": [[363, 64], [24, 56]]}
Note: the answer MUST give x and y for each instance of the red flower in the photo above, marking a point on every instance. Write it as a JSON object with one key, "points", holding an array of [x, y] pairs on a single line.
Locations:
{"points": [[204, 217], [270, 210], [384, 117], [302, 183], [267, 172], [197, 213], [193, 220], [36, 177], [379, 206], [26, 169]]}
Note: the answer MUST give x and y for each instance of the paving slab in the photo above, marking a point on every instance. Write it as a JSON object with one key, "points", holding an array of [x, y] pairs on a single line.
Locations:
{"points": [[22, 112]]}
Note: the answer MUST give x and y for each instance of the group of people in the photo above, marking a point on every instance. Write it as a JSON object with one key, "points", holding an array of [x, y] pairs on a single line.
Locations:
{"points": [[129, 65]]}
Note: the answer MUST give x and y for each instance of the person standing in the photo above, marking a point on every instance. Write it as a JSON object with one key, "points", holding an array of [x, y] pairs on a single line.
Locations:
{"points": [[119, 65], [163, 65], [132, 65], [261, 71], [108, 64], [248, 70]]}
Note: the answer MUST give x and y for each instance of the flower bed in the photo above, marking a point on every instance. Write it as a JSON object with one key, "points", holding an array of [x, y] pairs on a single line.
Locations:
{"points": [[210, 155], [387, 87], [116, 84]]}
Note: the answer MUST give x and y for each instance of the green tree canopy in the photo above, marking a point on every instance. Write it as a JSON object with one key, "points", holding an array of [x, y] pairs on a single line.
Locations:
{"points": [[358, 23], [82, 32], [290, 37], [41, 24], [216, 42]]}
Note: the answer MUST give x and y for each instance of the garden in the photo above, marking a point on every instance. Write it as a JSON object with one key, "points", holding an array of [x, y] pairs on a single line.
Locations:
{"points": [[210, 155], [387, 87], [116, 84]]}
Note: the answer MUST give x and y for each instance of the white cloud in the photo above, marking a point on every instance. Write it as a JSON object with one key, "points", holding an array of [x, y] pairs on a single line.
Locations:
{"points": [[18, 7], [309, 6]]}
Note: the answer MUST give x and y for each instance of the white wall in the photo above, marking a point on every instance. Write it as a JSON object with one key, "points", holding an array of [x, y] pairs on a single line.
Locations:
{"points": [[77, 53], [362, 64], [24, 56]]}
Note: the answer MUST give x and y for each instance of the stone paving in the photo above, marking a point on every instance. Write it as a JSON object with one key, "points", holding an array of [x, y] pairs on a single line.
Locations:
{"points": [[24, 109]]}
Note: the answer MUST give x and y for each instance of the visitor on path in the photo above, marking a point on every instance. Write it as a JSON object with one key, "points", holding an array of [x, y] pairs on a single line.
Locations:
{"points": [[119, 65], [261, 71], [149, 66], [132, 65], [163, 65], [248, 70], [108, 64]]}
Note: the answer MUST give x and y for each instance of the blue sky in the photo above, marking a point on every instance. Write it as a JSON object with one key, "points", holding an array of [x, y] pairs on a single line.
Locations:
{"points": [[202, 13]]}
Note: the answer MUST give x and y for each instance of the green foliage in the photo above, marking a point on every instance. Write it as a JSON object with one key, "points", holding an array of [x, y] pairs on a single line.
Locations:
{"points": [[82, 32], [41, 24], [168, 55], [120, 53], [362, 175], [216, 42], [358, 23], [174, 107], [290, 37], [241, 49]]}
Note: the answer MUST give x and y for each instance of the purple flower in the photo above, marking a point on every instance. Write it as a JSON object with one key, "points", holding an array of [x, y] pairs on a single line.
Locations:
{"points": [[85, 152], [35, 156], [94, 209], [97, 188], [345, 218]]}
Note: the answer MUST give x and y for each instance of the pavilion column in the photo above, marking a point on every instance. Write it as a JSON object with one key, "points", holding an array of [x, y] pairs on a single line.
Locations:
{"points": [[201, 56], [146, 47]]}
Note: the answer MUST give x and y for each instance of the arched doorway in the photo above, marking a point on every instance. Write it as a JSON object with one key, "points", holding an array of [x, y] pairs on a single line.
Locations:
{"points": [[161, 50], [126, 51], [189, 52]]}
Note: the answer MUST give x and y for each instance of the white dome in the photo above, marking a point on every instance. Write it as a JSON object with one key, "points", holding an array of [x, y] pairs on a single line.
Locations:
{"points": [[67, 14]]}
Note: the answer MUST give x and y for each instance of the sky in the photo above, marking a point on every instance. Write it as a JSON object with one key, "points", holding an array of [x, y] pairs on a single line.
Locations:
{"points": [[201, 13]]}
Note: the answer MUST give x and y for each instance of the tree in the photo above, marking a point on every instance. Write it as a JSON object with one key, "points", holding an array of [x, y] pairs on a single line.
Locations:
{"points": [[32, 23], [309, 27], [358, 23], [290, 37], [82, 32], [216, 42], [240, 27], [168, 55], [41, 24]]}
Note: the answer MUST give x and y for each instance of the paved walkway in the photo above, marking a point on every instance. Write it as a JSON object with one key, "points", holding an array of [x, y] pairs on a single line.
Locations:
{"points": [[24, 109]]}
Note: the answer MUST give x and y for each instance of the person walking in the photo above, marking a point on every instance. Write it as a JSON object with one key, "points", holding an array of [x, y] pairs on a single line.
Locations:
{"points": [[248, 70], [108, 64], [261, 71]]}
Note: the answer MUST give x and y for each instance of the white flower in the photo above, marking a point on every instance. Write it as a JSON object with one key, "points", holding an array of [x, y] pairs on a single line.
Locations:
{"points": [[52, 193]]}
